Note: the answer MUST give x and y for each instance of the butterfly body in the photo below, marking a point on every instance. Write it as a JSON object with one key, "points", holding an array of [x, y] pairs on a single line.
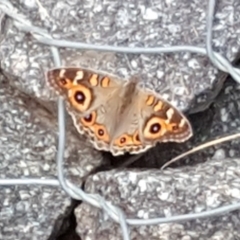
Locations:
{"points": [[116, 115]]}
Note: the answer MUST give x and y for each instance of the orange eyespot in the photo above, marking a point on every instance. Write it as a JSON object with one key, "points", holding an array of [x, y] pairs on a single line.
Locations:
{"points": [[101, 132], [154, 128], [123, 140], [65, 83], [136, 139], [80, 97], [89, 119], [174, 127]]}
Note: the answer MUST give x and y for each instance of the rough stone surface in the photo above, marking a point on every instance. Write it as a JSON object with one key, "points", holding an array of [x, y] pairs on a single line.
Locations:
{"points": [[28, 117], [151, 194], [27, 150], [179, 77]]}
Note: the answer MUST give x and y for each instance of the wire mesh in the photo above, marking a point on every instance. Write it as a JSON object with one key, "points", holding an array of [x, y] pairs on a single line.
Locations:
{"points": [[42, 36]]}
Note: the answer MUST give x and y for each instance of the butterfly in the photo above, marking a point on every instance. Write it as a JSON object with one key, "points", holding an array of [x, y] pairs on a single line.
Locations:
{"points": [[115, 115]]}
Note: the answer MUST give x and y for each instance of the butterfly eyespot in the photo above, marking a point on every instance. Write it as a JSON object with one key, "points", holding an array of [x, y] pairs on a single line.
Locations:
{"points": [[101, 132], [123, 140], [136, 138], [89, 119], [175, 128], [154, 128], [80, 97], [63, 81]]}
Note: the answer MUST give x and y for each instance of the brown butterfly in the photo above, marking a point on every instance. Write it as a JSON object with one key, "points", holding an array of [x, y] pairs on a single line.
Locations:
{"points": [[116, 115]]}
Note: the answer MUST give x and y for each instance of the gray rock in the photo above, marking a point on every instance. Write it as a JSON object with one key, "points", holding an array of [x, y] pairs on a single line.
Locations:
{"points": [[28, 115], [27, 150], [151, 194]]}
